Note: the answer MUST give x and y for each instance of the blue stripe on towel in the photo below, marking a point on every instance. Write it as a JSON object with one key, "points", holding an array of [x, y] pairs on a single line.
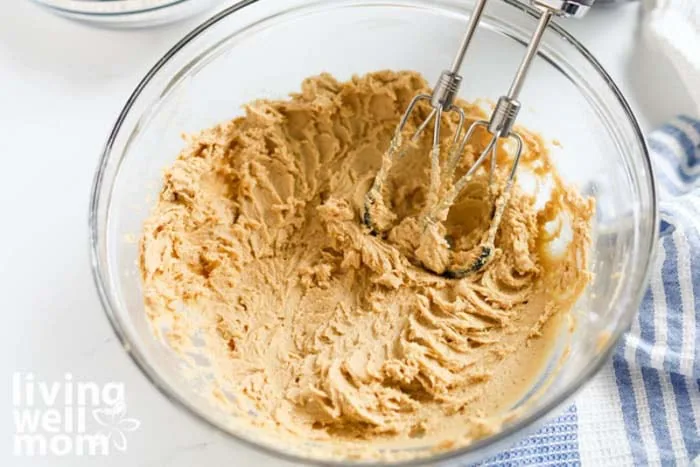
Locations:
{"points": [[659, 421], [674, 307], [676, 170], [630, 414], [556, 443], [685, 142], [691, 121], [689, 427]]}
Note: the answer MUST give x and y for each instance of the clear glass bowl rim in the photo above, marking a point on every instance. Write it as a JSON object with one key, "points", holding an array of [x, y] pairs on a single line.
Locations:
{"points": [[521, 425], [162, 6]]}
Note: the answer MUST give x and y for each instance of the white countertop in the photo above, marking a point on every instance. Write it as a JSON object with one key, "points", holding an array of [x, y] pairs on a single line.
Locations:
{"points": [[62, 85]]}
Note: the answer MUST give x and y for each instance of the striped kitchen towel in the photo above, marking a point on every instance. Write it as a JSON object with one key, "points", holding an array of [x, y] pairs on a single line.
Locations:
{"points": [[643, 408]]}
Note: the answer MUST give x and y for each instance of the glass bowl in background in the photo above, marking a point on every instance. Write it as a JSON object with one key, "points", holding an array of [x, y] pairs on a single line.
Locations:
{"points": [[128, 13], [265, 49]]}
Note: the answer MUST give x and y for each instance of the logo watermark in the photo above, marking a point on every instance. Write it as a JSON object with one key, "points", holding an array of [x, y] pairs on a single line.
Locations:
{"points": [[69, 417]]}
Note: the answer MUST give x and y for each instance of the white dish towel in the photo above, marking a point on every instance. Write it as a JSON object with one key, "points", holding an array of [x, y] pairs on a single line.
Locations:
{"points": [[674, 27]]}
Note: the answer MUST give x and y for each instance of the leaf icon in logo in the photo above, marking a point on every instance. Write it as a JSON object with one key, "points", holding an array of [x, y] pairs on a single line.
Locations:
{"points": [[109, 416], [113, 419]]}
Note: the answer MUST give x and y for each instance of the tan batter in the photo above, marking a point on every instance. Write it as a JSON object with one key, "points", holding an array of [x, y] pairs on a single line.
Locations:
{"points": [[256, 248]]}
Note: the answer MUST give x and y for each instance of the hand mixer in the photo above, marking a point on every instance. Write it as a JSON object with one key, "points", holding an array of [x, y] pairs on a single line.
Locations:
{"points": [[499, 126]]}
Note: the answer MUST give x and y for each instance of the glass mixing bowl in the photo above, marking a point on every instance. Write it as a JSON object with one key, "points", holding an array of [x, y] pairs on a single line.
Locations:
{"points": [[265, 48], [127, 13]]}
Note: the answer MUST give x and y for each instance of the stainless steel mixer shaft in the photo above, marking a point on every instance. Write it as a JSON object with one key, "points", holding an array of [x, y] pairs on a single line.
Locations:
{"points": [[500, 125]]}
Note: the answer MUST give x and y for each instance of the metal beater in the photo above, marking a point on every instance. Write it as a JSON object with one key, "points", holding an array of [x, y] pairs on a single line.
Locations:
{"points": [[500, 125]]}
